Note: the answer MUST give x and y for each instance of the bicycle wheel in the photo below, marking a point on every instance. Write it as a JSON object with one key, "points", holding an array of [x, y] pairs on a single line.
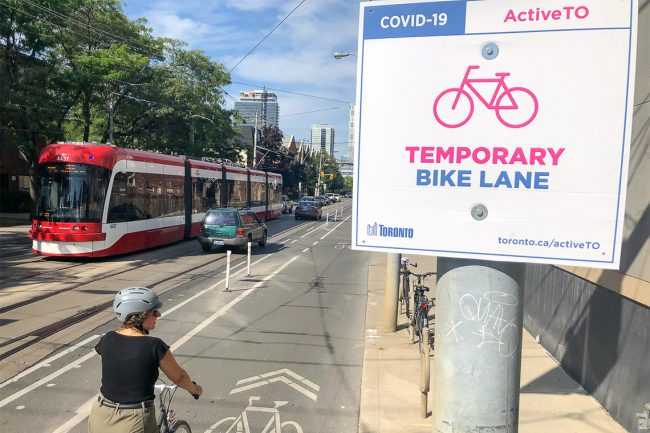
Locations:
{"points": [[425, 361], [295, 425], [519, 109], [405, 293], [450, 113], [181, 427]]}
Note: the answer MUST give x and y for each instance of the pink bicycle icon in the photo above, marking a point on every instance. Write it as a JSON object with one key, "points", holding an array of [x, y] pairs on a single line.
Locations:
{"points": [[515, 107]]}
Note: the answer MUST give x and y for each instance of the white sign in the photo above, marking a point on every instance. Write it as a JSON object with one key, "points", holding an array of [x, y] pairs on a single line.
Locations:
{"points": [[495, 129]]}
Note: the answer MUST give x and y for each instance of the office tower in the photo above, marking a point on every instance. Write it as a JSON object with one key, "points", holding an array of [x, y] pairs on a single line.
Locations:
{"points": [[258, 103], [322, 138]]}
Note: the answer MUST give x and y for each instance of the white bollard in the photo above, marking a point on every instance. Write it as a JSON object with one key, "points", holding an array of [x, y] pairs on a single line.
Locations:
{"points": [[327, 218], [248, 265], [228, 253], [335, 214]]}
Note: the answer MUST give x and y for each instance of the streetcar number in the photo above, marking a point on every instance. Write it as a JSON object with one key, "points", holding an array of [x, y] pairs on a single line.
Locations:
{"points": [[63, 158]]}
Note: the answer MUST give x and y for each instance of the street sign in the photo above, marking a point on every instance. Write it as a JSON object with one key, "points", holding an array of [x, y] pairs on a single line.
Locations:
{"points": [[494, 129]]}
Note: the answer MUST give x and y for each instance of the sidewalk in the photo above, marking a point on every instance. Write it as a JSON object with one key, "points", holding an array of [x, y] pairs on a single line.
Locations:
{"points": [[550, 401]]}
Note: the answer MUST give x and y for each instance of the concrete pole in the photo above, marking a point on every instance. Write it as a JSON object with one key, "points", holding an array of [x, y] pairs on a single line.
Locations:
{"points": [[391, 291], [477, 353]]}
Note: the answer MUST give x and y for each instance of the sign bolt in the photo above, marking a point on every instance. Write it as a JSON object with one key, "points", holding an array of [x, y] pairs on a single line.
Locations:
{"points": [[490, 51], [479, 212]]}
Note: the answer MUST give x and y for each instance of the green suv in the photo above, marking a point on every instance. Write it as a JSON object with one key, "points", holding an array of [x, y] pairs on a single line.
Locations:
{"points": [[228, 227]]}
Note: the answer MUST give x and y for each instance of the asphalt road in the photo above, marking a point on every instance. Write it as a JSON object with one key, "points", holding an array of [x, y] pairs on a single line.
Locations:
{"points": [[291, 332]]}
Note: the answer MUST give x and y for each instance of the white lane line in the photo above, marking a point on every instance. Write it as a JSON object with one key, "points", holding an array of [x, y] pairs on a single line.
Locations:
{"points": [[305, 250], [337, 226], [310, 232], [315, 243], [229, 305], [86, 357], [84, 410], [293, 242], [48, 361], [47, 379]]}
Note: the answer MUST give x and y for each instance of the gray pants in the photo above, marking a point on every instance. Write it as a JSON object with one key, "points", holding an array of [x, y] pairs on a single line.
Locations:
{"points": [[105, 419]]}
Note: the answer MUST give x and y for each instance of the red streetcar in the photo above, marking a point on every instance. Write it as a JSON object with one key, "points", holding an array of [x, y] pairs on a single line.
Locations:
{"points": [[97, 200]]}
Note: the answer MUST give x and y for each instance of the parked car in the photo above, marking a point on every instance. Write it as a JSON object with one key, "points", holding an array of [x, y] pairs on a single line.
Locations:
{"points": [[332, 197], [321, 200], [307, 198], [229, 227], [287, 204], [308, 209], [348, 194]]}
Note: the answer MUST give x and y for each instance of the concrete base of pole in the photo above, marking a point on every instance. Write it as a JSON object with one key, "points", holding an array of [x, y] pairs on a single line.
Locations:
{"points": [[391, 291], [477, 360]]}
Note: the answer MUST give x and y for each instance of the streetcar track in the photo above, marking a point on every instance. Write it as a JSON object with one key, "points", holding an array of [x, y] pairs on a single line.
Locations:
{"points": [[51, 329], [89, 281], [42, 333]]}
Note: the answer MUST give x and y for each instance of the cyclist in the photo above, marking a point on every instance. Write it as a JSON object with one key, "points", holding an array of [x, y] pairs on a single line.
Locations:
{"points": [[130, 362]]}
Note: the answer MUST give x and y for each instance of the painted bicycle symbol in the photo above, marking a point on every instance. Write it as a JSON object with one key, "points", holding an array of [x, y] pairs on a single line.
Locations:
{"points": [[240, 424], [515, 107]]}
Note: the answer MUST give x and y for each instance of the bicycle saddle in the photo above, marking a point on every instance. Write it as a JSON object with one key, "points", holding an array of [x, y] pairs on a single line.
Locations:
{"points": [[502, 74]]}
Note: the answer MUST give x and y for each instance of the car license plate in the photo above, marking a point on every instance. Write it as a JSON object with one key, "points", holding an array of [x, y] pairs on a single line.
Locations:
{"points": [[218, 242]]}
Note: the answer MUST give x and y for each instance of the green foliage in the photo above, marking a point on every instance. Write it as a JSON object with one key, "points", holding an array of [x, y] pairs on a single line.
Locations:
{"points": [[80, 70]]}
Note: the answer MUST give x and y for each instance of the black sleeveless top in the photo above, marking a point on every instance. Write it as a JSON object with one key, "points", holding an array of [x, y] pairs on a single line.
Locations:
{"points": [[129, 366]]}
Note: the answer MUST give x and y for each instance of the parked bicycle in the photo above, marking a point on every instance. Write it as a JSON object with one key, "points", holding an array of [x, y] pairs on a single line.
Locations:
{"points": [[168, 421], [404, 294], [421, 305], [419, 325], [240, 424]]}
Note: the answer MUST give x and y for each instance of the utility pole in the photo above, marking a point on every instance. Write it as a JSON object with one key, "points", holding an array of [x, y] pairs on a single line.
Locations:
{"points": [[480, 312], [320, 168], [255, 143]]}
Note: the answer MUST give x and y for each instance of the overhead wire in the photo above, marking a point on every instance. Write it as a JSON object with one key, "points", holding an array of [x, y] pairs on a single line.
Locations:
{"points": [[267, 35]]}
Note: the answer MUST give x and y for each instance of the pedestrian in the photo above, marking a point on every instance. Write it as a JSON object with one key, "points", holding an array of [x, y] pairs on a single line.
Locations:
{"points": [[130, 362]]}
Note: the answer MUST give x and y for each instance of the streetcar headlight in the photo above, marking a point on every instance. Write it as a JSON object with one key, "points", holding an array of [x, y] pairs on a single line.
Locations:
{"points": [[84, 228], [75, 228]]}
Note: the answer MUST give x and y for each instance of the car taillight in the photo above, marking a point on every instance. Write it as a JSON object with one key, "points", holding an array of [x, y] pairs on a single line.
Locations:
{"points": [[240, 231]]}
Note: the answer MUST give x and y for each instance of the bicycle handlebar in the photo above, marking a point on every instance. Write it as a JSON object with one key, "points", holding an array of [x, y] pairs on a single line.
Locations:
{"points": [[426, 274]]}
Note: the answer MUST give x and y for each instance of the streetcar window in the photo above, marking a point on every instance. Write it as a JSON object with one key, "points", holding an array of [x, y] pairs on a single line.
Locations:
{"points": [[206, 194], [258, 194], [237, 193], [128, 200], [70, 192], [275, 190]]}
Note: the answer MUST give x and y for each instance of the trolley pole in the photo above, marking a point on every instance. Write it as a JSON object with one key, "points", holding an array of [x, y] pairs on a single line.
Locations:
{"points": [[391, 291], [477, 362]]}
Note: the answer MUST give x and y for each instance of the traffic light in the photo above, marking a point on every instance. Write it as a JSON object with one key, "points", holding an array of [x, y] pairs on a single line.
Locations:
{"points": [[322, 174], [331, 176]]}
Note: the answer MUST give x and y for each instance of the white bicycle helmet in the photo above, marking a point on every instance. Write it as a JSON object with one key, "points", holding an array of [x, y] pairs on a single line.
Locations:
{"points": [[134, 300], [405, 260]]}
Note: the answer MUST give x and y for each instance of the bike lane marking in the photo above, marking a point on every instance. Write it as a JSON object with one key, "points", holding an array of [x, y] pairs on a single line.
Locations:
{"points": [[84, 410], [284, 375]]}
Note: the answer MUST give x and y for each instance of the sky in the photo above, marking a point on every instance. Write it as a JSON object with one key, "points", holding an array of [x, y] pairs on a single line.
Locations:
{"points": [[297, 57]]}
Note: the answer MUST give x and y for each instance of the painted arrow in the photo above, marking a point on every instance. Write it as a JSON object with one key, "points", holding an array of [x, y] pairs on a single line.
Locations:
{"points": [[285, 376]]}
